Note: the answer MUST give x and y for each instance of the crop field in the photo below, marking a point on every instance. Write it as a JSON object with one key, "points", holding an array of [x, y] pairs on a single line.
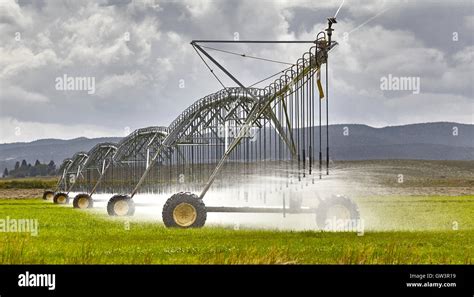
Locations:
{"points": [[69, 236], [428, 219]]}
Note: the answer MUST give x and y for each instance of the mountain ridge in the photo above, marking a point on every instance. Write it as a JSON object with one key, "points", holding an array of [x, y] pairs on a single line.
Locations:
{"points": [[429, 141]]}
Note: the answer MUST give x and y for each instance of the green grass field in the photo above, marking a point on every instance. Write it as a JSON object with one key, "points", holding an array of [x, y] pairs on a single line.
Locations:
{"points": [[69, 236]]}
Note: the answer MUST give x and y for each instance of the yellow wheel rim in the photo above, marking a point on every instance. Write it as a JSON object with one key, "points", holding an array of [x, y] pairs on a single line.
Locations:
{"points": [[83, 202], [61, 199], [49, 196], [121, 208], [184, 214]]}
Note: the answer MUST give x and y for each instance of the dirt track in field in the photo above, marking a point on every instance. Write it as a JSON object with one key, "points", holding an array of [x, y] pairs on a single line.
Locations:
{"points": [[20, 193]]}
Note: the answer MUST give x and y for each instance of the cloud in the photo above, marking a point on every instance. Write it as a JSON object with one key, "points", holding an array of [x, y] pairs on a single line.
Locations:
{"points": [[12, 15], [139, 54], [15, 94], [400, 54], [16, 61], [114, 83], [469, 22]]}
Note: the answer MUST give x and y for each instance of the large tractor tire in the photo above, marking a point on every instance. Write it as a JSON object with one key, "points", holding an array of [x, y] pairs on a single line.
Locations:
{"points": [[339, 209], [120, 206], [83, 201], [61, 198], [48, 195], [184, 210]]}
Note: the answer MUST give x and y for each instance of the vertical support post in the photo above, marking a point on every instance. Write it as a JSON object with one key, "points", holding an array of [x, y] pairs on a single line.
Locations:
{"points": [[147, 158], [329, 31], [226, 136], [284, 206], [327, 121], [320, 142]]}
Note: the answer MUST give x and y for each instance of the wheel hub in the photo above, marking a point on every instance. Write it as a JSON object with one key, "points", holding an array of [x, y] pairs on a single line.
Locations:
{"points": [[83, 202], [121, 208], [61, 199], [184, 214], [49, 196]]}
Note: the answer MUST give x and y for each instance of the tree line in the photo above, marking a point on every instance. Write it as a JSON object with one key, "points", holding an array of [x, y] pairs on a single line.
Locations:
{"points": [[25, 169]]}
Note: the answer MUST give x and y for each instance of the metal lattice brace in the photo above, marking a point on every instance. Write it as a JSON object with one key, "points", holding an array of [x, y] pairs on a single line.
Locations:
{"points": [[61, 185], [71, 170], [131, 158], [199, 124], [74, 170], [100, 157]]}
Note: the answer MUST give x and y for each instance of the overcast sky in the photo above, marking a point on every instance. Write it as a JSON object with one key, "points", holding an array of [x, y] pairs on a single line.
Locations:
{"points": [[140, 56]]}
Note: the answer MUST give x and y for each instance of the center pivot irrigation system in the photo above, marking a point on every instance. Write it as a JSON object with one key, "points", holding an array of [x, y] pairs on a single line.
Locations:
{"points": [[265, 138]]}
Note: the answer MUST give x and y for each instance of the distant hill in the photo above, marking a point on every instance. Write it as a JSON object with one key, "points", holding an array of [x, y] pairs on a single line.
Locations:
{"points": [[45, 150], [427, 141]]}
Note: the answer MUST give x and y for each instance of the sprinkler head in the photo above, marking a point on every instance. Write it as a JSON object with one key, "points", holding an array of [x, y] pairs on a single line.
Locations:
{"points": [[329, 29], [332, 21]]}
